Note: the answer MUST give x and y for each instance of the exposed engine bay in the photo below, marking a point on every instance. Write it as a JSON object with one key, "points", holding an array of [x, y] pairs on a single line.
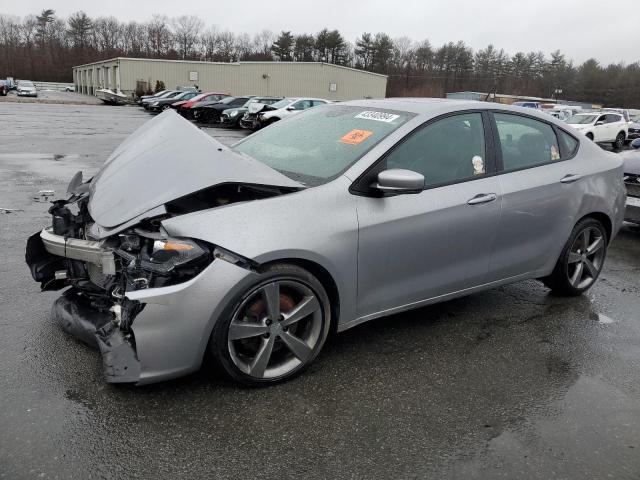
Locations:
{"points": [[139, 257]]}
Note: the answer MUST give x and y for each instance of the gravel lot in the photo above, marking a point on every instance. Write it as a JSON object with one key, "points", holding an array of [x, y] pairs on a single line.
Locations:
{"points": [[510, 383]]}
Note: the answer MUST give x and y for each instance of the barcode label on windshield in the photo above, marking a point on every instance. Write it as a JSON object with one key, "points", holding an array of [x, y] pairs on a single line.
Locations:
{"points": [[378, 116]]}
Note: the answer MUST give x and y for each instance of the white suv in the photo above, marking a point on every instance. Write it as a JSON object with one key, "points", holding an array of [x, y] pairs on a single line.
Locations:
{"points": [[608, 127], [287, 107]]}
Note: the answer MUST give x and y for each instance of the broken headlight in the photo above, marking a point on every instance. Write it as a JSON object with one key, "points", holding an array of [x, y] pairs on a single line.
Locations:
{"points": [[169, 253]]}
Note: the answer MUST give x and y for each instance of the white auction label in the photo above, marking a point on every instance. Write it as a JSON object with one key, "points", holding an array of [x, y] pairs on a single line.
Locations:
{"points": [[378, 116]]}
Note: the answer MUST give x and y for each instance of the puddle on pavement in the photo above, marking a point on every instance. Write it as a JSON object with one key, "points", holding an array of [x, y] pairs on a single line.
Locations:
{"points": [[602, 319], [56, 157], [10, 210]]}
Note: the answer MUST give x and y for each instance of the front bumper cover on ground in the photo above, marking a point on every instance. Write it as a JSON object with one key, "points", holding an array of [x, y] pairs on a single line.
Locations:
{"points": [[96, 329]]}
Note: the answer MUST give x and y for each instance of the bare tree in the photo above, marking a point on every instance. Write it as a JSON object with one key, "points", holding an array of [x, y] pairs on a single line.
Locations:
{"points": [[107, 33], [227, 47], [210, 42], [187, 30], [133, 35], [159, 36]]}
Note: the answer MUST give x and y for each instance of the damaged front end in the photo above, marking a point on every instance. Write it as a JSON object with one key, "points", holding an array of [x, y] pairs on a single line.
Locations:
{"points": [[101, 272], [106, 242]]}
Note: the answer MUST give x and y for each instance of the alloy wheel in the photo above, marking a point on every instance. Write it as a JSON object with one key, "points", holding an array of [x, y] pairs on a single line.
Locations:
{"points": [[275, 330], [586, 257], [619, 143]]}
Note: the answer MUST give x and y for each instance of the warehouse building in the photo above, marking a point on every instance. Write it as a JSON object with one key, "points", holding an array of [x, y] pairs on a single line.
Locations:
{"points": [[309, 79]]}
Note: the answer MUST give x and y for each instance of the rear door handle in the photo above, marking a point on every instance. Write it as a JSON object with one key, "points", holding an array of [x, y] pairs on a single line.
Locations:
{"points": [[482, 198], [570, 178]]}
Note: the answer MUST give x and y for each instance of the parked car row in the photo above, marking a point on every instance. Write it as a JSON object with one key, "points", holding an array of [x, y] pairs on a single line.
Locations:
{"points": [[615, 126], [247, 111]]}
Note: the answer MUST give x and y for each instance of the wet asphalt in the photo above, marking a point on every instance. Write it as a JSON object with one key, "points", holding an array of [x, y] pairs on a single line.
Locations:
{"points": [[509, 383]]}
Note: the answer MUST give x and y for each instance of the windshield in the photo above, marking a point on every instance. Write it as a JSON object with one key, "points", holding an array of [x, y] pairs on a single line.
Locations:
{"points": [[582, 119], [26, 83], [319, 144], [227, 100], [200, 96], [186, 94], [283, 103]]}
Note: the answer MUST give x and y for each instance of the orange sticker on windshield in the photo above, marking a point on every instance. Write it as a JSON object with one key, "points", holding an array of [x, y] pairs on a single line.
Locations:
{"points": [[355, 137]]}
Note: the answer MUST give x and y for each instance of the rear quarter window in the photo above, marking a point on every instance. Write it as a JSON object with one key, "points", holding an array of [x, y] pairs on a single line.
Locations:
{"points": [[568, 144]]}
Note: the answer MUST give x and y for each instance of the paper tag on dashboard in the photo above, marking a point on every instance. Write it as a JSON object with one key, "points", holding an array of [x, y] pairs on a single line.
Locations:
{"points": [[377, 116], [355, 137], [478, 165]]}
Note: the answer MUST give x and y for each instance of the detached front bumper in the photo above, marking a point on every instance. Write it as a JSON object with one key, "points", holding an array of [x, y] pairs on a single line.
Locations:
{"points": [[119, 357], [169, 333]]}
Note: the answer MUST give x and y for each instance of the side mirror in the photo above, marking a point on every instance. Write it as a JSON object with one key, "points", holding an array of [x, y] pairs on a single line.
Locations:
{"points": [[398, 181], [290, 109], [599, 122], [636, 143]]}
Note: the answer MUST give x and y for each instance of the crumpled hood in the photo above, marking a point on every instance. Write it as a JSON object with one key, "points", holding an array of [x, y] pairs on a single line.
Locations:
{"points": [[165, 159]]}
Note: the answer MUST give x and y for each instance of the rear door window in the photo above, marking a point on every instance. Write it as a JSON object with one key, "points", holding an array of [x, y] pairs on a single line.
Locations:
{"points": [[525, 142]]}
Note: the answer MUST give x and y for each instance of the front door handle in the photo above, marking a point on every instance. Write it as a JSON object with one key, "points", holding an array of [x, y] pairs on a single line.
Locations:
{"points": [[570, 178], [482, 198]]}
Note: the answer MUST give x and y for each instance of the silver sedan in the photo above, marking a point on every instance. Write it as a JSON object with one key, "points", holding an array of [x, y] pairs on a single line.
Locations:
{"points": [[181, 246]]}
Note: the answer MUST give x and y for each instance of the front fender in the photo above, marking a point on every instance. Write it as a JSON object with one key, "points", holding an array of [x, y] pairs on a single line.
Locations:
{"points": [[317, 224]]}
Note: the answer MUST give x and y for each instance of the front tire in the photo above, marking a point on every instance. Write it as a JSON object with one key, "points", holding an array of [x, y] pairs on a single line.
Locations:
{"points": [[581, 260], [590, 136], [618, 144], [274, 329]]}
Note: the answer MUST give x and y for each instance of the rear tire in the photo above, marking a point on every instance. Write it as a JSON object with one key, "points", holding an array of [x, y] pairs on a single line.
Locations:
{"points": [[285, 315], [581, 260]]}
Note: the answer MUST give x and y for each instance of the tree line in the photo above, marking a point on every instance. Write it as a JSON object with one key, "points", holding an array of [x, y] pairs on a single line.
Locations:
{"points": [[46, 46]]}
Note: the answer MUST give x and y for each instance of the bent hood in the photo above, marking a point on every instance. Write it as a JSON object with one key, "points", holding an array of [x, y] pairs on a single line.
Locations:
{"points": [[165, 159]]}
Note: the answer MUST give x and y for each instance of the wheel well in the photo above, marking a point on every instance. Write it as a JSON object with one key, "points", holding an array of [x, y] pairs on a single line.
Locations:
{"points": [[324, 277], [623, 134], [602, 218]]}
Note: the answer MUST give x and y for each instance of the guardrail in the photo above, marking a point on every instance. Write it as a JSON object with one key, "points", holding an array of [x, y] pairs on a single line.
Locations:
{"points": [[58, 86]]}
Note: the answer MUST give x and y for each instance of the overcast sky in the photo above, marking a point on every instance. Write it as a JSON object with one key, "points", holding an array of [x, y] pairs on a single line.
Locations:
{"points": [[576, 27]]}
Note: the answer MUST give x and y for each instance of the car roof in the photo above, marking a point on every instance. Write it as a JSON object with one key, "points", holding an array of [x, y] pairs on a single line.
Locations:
{"points": [[432, 107], [420, 105]]}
